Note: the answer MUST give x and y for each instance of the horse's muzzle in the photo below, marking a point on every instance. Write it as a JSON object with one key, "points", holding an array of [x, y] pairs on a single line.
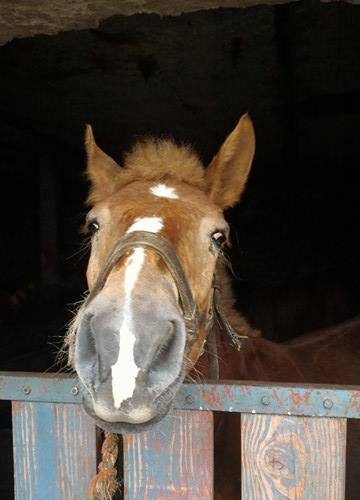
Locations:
{"points": [[136, 389]]}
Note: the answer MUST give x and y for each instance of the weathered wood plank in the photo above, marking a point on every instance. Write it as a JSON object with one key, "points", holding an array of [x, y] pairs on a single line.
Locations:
{"points": [[233, 396], [172, 461], [54, 451], [293, 457]]}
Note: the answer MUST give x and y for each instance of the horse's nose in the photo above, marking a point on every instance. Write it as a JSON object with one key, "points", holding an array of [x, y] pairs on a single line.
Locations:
{"points": [[125, 361]]}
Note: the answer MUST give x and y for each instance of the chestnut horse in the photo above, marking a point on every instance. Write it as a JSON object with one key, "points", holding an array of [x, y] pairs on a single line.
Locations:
{"points": [[132, 342]]}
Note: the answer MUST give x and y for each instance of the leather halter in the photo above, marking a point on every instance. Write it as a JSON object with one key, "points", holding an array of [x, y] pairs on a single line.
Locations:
{"points": [[192, 317]]}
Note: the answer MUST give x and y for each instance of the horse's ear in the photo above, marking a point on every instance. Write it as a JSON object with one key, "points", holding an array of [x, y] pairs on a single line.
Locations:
{"points": [[101, 169], [227, 174]]}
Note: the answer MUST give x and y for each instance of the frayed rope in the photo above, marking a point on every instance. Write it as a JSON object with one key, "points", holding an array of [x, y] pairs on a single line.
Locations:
{"points": [[104, 485]]}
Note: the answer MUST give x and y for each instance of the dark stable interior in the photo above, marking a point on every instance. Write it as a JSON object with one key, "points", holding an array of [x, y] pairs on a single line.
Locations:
{"points": [[295, 239]]}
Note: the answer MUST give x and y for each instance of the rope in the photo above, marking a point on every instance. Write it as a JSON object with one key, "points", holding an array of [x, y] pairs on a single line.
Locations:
{"points": [[104, 484]]}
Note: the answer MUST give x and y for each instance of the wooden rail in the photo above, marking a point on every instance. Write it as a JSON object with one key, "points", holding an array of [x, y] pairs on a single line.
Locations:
{"points": [[290, 446]]}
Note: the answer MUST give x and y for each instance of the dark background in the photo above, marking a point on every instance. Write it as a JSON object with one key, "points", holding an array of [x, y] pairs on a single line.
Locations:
{"points": [[294, 67]]}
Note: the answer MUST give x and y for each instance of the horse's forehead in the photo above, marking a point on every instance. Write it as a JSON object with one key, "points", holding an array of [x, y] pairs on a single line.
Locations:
{"points": [[168, 199], [165, 189]]}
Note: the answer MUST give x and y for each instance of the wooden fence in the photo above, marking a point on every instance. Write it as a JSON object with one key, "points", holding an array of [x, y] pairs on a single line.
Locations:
{"points": [[290, 446]]}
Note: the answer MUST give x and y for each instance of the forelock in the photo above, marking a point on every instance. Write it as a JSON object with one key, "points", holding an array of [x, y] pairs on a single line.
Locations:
{"points": [[159, 160]]}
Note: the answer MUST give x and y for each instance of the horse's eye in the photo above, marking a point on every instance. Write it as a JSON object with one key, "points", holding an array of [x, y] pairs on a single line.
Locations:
{"points": [[92, 227], [219, 239]]}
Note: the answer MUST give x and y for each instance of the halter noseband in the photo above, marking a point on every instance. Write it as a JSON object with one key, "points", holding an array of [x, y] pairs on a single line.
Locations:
{"points": [[192, 318]]}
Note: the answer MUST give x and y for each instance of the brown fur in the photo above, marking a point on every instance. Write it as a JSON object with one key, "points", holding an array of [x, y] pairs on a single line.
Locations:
{"points": [[124, 193], [162, 159], [119, 195], [152, 160]]}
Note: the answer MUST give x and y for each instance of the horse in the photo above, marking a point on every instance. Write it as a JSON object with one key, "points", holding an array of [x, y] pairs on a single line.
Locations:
{"points": [[160, 299]]}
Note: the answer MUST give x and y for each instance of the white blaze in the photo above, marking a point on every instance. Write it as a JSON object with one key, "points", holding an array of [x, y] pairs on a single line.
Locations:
{"points": [[125, 370], [151, 224], [164, 191]]}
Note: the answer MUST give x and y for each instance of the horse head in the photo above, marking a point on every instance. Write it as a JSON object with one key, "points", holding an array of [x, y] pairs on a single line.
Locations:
{"points": [[157, 229]]}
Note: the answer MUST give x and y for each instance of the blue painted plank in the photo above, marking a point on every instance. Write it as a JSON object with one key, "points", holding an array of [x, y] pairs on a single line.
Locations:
{"points": [[54, 451], [313, 400], [48, 388], [241, 396], [174, 461], [293, 457]]}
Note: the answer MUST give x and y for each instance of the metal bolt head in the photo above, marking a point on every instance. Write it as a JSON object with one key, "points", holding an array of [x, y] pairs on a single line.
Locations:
{"points": [[189, 399], [266, 400], [328, 404], [26, 389], [74, 390]]}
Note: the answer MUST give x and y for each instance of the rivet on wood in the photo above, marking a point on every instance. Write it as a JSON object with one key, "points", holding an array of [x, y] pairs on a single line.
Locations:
{"points": [[26, 389], [189, 399], [74, 390], [265, 400], [327, 403]]}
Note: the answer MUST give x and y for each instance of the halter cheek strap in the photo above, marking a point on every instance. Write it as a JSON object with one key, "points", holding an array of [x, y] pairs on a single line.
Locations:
{"points": [[233, 337], [192, 318]]}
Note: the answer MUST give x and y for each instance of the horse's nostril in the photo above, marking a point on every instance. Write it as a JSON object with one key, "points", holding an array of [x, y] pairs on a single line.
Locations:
{"points": [[104, 371], [85, 342], [167, 362], [92, 360], [165, 344]]}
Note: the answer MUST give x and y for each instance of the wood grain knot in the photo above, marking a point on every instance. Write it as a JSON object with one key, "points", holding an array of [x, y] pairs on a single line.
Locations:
{"points": [[281, 460]]}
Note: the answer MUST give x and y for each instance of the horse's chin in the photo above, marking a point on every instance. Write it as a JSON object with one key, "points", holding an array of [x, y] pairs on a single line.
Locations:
{"points": [[125, 427], [138, 422]]}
